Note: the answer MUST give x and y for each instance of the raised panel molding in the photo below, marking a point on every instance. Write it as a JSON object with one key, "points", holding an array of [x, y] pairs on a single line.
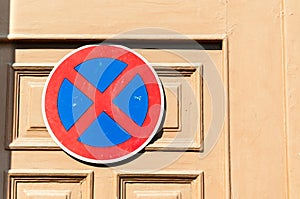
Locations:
{"points": [[156, 195], [29, 130], [48, 194], [50, 184], [169, 185], [183, 127], [181, 131], [173, 92]]}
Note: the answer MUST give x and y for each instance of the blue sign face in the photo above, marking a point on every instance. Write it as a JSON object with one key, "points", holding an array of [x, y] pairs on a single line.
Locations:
{"points": [[101, 73]]}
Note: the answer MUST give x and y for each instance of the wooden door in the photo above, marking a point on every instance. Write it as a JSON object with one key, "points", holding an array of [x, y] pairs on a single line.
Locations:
{"points": [[169, 167], [229, 127]]}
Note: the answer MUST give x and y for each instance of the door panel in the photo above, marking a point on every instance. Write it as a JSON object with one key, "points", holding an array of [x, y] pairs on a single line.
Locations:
{"points": [[50, 184], [179, 79], [166, 186], [29, 130]]}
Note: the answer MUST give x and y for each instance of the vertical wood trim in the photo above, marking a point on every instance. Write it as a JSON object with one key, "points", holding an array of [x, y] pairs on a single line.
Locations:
{"points": [[227, 118]]}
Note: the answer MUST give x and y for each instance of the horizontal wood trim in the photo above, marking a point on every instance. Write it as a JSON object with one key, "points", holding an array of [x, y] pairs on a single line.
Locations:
{"points": [[168, 69], [114, 36], [147, 41]]}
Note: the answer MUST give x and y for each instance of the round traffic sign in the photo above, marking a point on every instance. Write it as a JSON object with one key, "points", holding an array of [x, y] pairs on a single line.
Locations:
{"points": [[103, 103]]}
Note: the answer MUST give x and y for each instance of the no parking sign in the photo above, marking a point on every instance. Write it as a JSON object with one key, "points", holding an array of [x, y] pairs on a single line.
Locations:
{"points": [[103, 103]]}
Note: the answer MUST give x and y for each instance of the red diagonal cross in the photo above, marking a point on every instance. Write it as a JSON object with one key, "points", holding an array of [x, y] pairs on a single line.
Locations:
{"points": [[103, 102]]}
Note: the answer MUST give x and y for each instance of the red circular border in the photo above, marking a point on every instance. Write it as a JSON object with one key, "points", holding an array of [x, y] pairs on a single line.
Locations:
{"points": [[68, 140]]}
